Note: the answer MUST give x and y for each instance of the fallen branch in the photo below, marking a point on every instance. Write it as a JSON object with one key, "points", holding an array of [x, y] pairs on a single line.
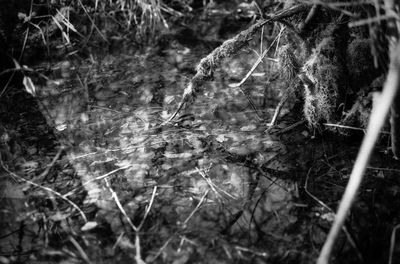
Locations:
{"points": [[207, 65]]}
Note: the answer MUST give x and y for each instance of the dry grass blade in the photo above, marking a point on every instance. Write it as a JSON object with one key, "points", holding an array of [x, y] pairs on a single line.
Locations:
{"points": [[92, 21], [195, 209], [333, 6], [78, 247], [114, 195], [96, 179], [148, 208]]}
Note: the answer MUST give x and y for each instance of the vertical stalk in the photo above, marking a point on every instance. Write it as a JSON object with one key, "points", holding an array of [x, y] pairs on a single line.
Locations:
{"points": [[392, 34]]}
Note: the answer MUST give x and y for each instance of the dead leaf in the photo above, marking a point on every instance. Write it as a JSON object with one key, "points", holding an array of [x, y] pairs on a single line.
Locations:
{"points": [[89, 226], [248, 128], [29, 86]]}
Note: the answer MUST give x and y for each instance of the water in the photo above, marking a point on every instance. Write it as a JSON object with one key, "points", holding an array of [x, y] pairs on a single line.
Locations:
{"points": [[213, 183]]}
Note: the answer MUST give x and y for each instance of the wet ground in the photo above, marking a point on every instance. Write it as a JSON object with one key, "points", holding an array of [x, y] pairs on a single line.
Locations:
{"points": [[89, 175]]}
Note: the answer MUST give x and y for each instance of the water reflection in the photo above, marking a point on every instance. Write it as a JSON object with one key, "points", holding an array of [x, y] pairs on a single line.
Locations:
{"points": [[109, 113]]}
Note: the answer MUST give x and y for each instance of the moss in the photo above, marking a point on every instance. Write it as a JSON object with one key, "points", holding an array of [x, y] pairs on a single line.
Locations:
{"points": [[325, 73], [288, 65], [360, 63]]}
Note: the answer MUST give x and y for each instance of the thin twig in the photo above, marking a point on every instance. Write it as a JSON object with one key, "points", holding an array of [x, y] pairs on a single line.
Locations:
{"points": [[259, 60], [119, 205], [309, 17], [184, 225], [26, 35], [23, 69], [212, 185], [91, 21], [345, 127], [344, 228], [331, 6], [252, 104], [371, 20], [47, 170], [83, 254], [148, 208], [278, 109], [195, 209], [45, 188], [256, 253], [96, 179], [288, 128], [352, 128], [106, 175], [161, 249], [119, 239]]}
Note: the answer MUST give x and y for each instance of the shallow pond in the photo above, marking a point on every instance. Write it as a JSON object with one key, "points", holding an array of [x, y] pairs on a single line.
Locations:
{"points": [[212, 186]]}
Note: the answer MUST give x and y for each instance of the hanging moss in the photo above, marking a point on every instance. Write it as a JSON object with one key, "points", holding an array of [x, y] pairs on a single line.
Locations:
{"points": [[288, 66], [324, 72]]}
